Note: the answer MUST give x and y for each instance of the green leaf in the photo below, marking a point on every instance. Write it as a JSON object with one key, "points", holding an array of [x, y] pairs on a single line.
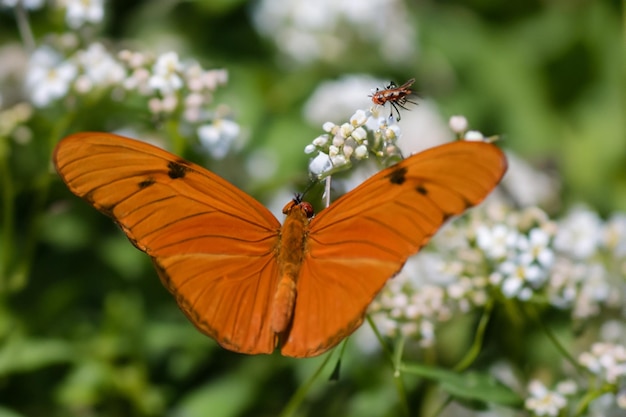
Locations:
{"points": [[468, 385], [20, 354]]}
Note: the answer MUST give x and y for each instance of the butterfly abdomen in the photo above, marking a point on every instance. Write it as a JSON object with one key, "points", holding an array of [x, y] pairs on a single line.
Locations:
{"points": [[290, 254]]}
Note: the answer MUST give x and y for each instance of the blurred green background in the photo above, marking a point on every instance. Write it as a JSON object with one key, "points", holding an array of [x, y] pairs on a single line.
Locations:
{"points": [[86, 329]]}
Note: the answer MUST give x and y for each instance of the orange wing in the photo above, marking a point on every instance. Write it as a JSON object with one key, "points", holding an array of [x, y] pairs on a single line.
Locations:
{"points": [[365, 237], [212, 244]]}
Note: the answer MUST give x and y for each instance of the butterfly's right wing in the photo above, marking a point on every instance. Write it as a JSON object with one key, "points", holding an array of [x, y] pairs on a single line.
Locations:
{"points": [[366, 236], [212, 244]]}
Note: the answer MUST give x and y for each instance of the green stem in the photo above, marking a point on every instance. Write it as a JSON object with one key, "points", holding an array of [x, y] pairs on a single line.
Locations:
{"points": [[477, 344], [395, 359], [21, 18], [384, 346], [7, 228], [590, 396], [534, 315], [397, 377], [296, 400]]}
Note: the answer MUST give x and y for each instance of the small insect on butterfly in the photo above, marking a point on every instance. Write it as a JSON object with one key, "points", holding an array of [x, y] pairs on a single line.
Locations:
{"points": [[395, 96], [245, 280]]}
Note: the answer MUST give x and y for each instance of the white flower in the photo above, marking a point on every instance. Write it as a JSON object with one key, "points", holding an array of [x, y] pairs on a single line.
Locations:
{"points": [[474, 135], [360, 152], [328, 127], [607, 360], [320, 164], [359, 118], [82, 11], [326, 29], [496, 241], [27, 4], [338, 160], [359, 134], [218, 136], [348, 151], [193, 107], [345, 130], [47, 78], [579, 233], [519, 278], [132, 58], [99, 66], [535, 247], [338, 141], [321, 140], [166, 71], [458, 124], [543, 402], [138, 80]]}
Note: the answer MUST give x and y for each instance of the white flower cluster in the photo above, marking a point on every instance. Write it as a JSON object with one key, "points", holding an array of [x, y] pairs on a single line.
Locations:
{"points": [[519, 250], [172, 88], [310, 31], [401, 310], [27, 4], [180, 91], [77, 12], [544, 402], [606, 361], [366, 133], [590, 263], [175, 87]]}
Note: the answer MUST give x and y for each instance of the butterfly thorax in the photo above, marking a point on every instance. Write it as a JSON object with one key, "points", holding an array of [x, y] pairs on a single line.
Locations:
{"points": [[291, 249]]}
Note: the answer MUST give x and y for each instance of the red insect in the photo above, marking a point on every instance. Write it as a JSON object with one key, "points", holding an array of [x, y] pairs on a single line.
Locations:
{"points": [[395, 96]]}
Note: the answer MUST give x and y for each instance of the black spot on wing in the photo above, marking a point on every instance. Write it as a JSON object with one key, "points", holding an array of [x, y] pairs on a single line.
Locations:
{"points": [[146, 183], [421, 189], [397, 176], [177, 169]]}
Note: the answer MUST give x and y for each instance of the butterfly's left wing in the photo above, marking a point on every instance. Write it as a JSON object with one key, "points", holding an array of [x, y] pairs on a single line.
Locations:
{"points": [[365, 237], [212, 244]]}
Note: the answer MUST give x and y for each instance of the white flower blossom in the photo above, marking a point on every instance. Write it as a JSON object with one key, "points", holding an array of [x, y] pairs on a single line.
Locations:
{"points": [[48, 77], [320, 164], [535, 247], [579, 233], [166, 73], [474, 135], [458, 124], [218, 136], [79, 12], [496, 241], [307, 31], [99, 67], [607, 360], [360, 152], [543, 402], [27, 4]]}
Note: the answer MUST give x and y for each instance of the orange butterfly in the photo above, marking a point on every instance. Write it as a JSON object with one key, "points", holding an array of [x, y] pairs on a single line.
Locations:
{"points": [[395, 96], [239, 276]]}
